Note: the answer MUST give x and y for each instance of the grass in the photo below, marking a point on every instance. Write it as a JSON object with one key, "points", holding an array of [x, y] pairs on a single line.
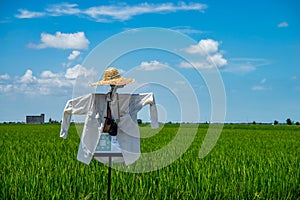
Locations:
{"points": [[248, 162]]}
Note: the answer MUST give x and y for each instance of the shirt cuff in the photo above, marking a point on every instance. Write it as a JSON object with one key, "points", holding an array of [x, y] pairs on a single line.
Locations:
{"points": [[63, 134], [154, 125]]}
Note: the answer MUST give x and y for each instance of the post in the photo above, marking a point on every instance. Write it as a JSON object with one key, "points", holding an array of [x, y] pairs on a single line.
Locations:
{"points": [[109, 155], [109, 178]]}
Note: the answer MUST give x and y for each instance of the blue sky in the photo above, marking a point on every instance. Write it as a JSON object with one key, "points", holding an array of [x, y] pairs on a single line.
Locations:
{"points": [[254, 44]]}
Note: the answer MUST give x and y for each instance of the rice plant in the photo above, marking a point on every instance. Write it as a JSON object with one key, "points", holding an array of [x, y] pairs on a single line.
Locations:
{"points": [[248, 162]]}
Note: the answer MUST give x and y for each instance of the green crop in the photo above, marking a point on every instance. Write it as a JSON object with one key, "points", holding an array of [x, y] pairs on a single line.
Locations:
{"points": [[248, 162]]}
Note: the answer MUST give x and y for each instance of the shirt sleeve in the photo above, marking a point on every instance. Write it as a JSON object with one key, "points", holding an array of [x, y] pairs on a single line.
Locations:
{"points": [[149, 99], [79, 106]]}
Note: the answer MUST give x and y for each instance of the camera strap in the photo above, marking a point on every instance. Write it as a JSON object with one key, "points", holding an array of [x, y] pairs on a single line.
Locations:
{"points": [[107, 122], [108, 114], [118, 120]]}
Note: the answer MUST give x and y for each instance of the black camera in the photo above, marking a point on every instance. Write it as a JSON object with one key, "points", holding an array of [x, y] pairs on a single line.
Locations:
{"points": [[110, 127], [113, 131]]}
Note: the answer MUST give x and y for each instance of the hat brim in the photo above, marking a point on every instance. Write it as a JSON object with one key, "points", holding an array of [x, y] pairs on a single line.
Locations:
{"points": [[118, 81]]}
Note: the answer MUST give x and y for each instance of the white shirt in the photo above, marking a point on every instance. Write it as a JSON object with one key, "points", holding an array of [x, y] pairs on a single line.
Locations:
{"points": [[94, 106]]}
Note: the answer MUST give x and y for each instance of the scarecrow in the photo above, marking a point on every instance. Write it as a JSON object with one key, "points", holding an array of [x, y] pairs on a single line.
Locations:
{"points": [[110, 114]]}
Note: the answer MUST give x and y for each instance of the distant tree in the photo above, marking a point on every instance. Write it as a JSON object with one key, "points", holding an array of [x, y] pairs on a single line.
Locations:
{"points": [[253, 122], [275, 122], [139, 121], [297, 123], [52, 121], [289, 121]]}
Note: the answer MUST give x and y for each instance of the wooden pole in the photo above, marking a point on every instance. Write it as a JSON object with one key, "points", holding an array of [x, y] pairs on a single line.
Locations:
{"points": [[109, 155], [109, 178]]}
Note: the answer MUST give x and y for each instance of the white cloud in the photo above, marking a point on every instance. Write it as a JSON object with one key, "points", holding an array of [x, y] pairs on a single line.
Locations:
{"points": [[25, 14], [124, 12], [62, 41], [74, 55], [27, 77], [54, 83], [187, 30], [4, 77], [186, 65], [181, 82], [282, 25], [209, 50], [48, 74], [108, 13], [152, 65], [78, 70], [46, 83], [263, 81], [217, 59], [198, 65], [63, 9], [204, 47], [6, 88], [245, 65], [259, 88]]}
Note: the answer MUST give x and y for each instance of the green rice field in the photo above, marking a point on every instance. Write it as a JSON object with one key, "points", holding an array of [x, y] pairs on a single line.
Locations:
{"points": [[248, 162]]}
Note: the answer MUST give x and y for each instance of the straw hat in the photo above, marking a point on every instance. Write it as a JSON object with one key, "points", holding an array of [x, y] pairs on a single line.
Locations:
{"points": [[113, 77]]}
